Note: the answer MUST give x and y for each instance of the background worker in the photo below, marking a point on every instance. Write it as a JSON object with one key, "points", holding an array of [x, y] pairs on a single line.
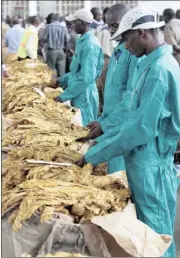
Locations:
{"points": [[103, 35], [12, 39], [85, 68], [4, 28], [70, 45], [172, 32], [29, 43], [97, 18], [40, 31], [120, 70], [56, 38], [148, 137]]}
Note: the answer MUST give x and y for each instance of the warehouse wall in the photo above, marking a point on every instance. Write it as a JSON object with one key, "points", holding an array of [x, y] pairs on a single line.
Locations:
{"points": [[43, 8]]}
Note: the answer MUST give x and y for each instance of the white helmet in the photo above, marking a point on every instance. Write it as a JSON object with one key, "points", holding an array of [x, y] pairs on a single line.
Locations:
{"points": [[82, 14], [138, 18]]}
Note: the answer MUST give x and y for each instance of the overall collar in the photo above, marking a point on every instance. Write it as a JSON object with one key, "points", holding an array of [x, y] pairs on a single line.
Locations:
{"points": [[155, 54], [120, 47], [85, 36]]}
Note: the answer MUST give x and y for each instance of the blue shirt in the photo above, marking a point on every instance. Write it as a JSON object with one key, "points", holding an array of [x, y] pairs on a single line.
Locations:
{"points": [[13, 37], [56, 35]]}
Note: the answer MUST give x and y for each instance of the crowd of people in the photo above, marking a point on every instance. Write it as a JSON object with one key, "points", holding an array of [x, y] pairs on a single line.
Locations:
{"points": [[57, 40], [130, 58]]}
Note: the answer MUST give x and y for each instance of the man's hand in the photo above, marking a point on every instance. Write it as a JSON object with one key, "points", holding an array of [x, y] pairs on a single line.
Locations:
{"points": [[95, 130], [58, 99], [92, 125], [81, 162]]}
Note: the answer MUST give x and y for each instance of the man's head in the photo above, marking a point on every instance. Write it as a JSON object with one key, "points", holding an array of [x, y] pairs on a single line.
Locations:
{"points": [[168, 14], [81, 20], [34, 20], [16, 21], [97, 13], [114, 16], [55, 17], [137, 41], [178, 14], [49, 18], [139, 30]]}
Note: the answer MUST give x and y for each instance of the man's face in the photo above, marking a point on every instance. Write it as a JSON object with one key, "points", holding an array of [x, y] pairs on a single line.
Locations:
{"points": [[98, 16], [134, 42], [113, 23], [77, 26], [166, 17]]}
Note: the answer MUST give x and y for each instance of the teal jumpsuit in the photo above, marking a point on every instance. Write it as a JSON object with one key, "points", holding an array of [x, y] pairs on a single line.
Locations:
{"points": [[121, 67], [148, 140], [80, 82]]}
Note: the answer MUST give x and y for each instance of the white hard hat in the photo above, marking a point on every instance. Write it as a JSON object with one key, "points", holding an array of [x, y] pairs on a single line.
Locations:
{"points": [[82, 14], [138, 18]]}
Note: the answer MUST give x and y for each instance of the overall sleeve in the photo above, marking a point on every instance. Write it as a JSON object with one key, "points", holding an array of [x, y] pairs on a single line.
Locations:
{"points": [[112, 132], [86, 76], [63, 80], [101, 118], [119, 115], [139, 130]]}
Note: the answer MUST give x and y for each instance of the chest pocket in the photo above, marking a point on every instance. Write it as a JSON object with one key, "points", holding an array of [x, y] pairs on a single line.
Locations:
{"points": [[75, 64]]}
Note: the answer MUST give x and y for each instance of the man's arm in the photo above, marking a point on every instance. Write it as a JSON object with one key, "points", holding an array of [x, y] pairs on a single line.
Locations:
{"points": [[86, 76], [139, 130], [63, 80]]}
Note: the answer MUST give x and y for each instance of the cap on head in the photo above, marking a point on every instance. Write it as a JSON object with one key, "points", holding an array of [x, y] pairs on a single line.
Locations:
{"points": [[138, 18], [82, 14]]}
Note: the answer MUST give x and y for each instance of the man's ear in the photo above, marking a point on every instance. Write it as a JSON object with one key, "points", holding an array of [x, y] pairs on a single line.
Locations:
{"points": [[141, 33]]}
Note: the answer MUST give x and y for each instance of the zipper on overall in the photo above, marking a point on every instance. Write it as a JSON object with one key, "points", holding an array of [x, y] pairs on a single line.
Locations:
{"points": [[136, 88]]}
